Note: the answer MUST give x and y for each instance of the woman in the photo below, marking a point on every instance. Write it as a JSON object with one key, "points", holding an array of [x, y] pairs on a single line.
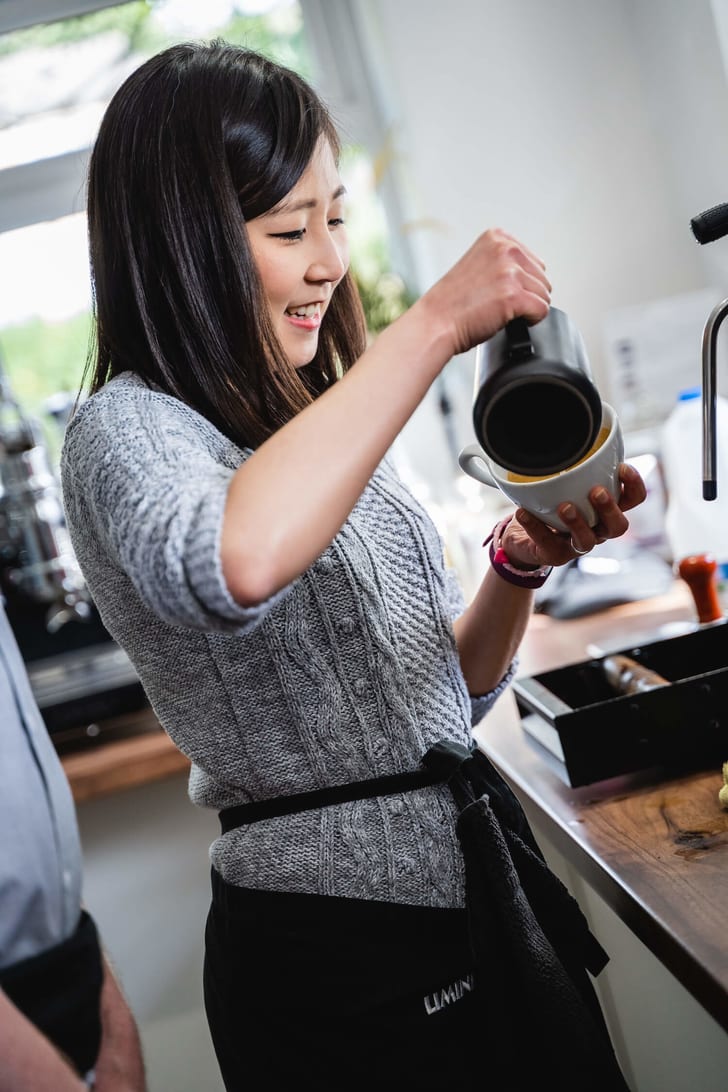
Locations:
{"points": [[282, 595]]}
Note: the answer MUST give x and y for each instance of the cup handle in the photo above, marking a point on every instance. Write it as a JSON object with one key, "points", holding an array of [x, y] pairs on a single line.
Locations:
{"points": [[472, 460]]}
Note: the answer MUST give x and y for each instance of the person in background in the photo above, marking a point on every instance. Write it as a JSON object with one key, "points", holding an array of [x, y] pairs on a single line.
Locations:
{"points": [[64, 1023], [381, 916]]}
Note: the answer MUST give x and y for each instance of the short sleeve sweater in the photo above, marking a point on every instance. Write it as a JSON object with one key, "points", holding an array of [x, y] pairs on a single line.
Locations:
{"points": [[350, 672]]}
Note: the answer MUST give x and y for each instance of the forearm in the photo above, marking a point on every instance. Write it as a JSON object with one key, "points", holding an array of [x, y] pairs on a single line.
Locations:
{"points": [[119, 1066], [28, 1061], [489, 632], [288, 501]]}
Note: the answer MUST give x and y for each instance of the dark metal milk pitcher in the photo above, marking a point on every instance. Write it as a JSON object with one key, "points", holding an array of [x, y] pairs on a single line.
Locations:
{"points": [[536, 409]]}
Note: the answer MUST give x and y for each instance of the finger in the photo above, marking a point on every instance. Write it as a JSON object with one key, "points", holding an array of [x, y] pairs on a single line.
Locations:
{"points": [[531, 306], [610, 523], [524, 250], [530, 277], [531, 300], [634, 489], [519, 264], [550, 548], [577, 551], [534, 308], [611, 520], [580, 535], [538, 286]]}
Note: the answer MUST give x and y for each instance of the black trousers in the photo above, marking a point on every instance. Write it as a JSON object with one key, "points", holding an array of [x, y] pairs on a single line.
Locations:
{"points": [[326, 993], [59, 991]]}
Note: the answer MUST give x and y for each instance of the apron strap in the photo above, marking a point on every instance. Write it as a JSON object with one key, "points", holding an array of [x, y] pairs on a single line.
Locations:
{"points": [[440, 763]]}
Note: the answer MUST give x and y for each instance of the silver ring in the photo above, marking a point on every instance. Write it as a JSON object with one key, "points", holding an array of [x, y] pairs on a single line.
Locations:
{"points": [[579, 553]]}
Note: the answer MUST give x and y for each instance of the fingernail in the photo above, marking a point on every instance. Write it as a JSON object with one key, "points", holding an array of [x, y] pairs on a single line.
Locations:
{"points": [[568, 511], [600, 496]]}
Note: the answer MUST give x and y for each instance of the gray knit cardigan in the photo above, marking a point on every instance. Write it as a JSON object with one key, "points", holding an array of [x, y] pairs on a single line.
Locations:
{"points": [[350, 672]]}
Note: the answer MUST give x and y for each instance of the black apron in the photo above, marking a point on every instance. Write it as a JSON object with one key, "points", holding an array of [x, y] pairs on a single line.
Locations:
{"points": [[530, 945]]}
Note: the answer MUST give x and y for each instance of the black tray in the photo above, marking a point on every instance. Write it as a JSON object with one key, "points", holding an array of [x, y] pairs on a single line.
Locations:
{"points": [[598, 734]]}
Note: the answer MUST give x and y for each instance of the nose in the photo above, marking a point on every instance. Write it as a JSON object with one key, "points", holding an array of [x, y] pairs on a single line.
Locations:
{"points": [[330, 259]]}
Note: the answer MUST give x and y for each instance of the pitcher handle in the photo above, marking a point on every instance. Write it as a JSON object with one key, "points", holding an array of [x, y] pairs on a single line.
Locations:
{"points": [[518, 338]]}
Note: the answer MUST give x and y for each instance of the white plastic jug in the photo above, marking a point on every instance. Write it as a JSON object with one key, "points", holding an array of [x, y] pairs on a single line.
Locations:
{"points": [[694, 525]]}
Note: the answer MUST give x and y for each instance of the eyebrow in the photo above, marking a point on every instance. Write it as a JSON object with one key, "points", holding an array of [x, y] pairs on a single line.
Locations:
{"points": [[311, 203]]}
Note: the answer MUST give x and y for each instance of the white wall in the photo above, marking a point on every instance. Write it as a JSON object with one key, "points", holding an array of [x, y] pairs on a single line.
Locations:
{"points": [[592, 131]]}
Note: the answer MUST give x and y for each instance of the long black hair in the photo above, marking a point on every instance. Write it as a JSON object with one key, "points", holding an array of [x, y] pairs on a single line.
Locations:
{"points": [[198, 140]]}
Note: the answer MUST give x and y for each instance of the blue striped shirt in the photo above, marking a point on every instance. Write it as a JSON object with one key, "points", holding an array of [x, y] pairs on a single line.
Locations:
{"points": [[40, 852]]}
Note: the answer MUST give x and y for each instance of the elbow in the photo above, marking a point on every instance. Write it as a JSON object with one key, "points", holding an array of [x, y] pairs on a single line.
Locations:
{"points": [[251, 579], [248, 584]]}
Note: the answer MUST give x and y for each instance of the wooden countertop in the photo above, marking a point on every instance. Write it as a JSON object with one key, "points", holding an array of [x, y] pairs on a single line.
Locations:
{"points": [[656, 850], [145, 754]]}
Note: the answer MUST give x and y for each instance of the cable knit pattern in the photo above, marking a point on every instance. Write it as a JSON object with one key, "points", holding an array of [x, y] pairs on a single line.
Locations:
{"points": [[350, 672]]}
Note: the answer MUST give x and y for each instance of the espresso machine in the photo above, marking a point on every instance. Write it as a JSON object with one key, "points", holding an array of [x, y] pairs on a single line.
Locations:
{"points": [[78, 674]]}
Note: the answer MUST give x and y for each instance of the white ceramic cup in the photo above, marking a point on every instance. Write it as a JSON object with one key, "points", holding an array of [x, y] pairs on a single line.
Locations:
{"points": [[542, 496]]}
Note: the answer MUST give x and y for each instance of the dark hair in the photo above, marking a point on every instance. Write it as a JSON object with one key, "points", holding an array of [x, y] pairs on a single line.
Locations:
{"points": [[196, 136]]}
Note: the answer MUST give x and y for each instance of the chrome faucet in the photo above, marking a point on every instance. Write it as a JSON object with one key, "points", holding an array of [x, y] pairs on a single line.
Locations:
{"points": [[707, 227], [710, 338]]}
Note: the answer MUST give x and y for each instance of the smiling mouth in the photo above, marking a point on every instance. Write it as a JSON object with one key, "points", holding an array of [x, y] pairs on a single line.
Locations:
{"points": [[312, 310]]}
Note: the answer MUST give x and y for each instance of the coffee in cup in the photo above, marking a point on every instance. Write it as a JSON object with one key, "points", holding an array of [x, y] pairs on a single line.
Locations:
{"points": [[542, 495]]}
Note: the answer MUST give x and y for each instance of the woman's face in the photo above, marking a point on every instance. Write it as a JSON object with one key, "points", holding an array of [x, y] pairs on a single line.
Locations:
{"points": [[301, 252]]}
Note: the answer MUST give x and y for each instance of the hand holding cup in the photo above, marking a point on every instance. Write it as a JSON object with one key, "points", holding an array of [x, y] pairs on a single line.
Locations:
{"points": [[561, 516], [542, 496]]}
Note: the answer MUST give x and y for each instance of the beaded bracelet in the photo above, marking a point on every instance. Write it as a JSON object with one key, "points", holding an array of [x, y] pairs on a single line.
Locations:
{"points": [[521, 578]]}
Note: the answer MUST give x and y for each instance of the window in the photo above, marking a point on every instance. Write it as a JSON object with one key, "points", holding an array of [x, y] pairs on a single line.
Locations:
{"points": [[55, 81]]}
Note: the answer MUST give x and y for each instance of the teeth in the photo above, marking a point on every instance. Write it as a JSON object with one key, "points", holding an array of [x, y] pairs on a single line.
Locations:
{"points": [[304, 312]]}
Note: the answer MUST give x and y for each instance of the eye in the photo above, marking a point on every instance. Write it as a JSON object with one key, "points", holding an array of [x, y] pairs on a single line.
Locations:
{"points": [[291, 236], [337, 221]]}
